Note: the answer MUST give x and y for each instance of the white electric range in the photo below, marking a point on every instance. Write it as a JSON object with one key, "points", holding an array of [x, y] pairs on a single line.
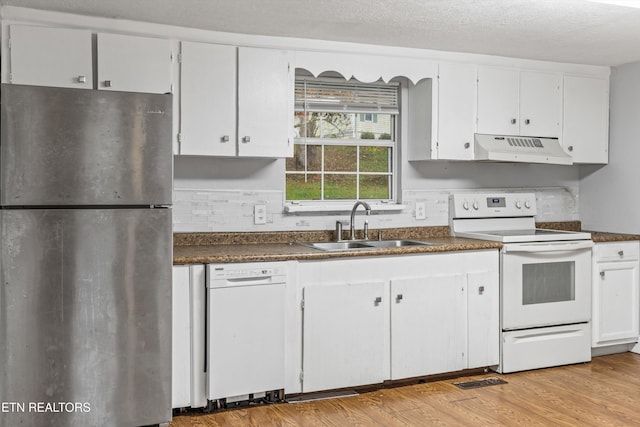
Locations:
{"points": [[545, 279]]}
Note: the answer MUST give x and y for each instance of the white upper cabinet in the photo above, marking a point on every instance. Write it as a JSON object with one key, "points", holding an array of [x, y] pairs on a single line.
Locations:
{"points": [[134, 64], [457, 110], [514, 102], [265, 103], [235, 101], [44, 56], [208, 99], [585, 133]]}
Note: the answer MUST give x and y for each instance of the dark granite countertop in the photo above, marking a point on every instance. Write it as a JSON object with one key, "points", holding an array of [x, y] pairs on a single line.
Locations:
{"points": [[204, 248]]}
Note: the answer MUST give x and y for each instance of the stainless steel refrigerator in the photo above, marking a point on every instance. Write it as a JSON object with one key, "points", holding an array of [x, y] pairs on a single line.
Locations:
{"points": [[85, 261]]}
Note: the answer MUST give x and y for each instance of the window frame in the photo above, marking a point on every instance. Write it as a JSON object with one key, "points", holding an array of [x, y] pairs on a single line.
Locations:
{"points": [[392, 144]]}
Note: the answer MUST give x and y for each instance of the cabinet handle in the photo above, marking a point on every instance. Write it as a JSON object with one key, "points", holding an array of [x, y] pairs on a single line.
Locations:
{"points": [[480, 290], [225, 138], [621, 253], [570, 148], [602, 274], [527, 121], [513, 121], [377, 301], [467, 145], [81, 79], [399, 297], [246, 139], [107, 83]]}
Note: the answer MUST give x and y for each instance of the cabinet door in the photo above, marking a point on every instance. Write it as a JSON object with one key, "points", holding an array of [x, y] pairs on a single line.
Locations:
{"points": [[42, 56], [265, 103], [181, 342], [428, 325], [498, 101], [457, 110], [585, 129], [134, 64], [343, 336], [540, 104], [616, 304], [483, 320], [208, 99]]}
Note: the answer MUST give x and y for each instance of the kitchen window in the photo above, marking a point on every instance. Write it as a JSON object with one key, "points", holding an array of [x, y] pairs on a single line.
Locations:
{"points": [[345, 141]]}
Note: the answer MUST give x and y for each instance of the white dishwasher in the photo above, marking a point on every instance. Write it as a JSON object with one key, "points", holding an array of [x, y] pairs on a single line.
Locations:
{"points": [[246, 334]]}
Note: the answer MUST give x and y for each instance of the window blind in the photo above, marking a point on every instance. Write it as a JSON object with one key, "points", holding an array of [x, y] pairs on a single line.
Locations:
{"points": [[345, 97]]}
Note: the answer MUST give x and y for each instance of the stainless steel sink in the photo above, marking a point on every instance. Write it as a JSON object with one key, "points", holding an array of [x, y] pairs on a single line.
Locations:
{"points": [[337, 246], [396, 243], [363, 244]]}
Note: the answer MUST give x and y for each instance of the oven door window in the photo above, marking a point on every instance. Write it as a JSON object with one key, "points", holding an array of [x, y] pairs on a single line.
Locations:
{"points": [[548, 282]]}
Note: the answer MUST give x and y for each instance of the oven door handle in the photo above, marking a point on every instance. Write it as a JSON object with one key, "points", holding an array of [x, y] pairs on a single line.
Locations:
{"points": [[548, 246]]}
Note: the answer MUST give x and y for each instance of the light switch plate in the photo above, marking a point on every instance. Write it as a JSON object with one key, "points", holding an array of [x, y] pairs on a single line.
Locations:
{"points": [[260, 214], [421, 210]]}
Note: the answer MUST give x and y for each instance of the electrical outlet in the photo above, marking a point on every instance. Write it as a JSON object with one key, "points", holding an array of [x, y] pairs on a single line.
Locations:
{"points": [[260, 214], [421, 210]]}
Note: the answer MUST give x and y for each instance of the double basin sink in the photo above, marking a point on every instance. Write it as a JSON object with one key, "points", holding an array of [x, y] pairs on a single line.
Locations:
{"points": [[349, 245]]}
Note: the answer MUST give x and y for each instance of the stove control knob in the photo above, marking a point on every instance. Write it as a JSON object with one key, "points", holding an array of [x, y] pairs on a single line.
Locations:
{"points": [[465, 206], [527, 204], [518, 204], [476, 206]]}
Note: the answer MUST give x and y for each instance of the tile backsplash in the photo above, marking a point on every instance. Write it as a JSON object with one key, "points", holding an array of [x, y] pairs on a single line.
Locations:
{"points": [[201, 210]]}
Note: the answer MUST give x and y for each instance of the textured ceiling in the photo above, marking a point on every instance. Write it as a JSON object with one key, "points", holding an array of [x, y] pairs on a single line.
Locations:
{"points": [[574, 31]]}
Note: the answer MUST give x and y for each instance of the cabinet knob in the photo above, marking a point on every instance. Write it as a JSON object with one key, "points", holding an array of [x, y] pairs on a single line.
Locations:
{"points": [[224, 138], [399, 297], [467, 145], [602, 274], [377, 301], [570, 148], [246, 139], [106, 83], [81, 79], [480, 290], [527, 121], [621, 253], [513, 121]]}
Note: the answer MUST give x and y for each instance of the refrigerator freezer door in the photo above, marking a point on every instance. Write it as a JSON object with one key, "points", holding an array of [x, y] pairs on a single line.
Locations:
{"points": [[85, 316], [71, 147]]}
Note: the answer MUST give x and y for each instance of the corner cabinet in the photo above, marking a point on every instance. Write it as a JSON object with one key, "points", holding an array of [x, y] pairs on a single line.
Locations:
{"points": [[235, 101], [519, 102], [44, 56], [616, 296], [585, 131], [367, 320]]}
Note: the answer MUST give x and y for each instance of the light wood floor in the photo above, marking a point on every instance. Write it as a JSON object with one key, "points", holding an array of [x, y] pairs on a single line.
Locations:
{"points": [[605, 392]]}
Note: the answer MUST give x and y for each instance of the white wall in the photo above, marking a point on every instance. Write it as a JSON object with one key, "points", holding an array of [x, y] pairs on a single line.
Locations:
{"points": [[610, 195]]}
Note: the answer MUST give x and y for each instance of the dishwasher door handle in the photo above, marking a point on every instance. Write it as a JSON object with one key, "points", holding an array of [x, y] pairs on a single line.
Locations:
{"points": [[243, 281]]}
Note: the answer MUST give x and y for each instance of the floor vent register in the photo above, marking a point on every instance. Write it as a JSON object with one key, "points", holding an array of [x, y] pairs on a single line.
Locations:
{"points": [[485, 382]]}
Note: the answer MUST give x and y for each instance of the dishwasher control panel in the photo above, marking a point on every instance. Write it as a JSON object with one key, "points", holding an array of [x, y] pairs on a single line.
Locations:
{"points": [[219, 273]]}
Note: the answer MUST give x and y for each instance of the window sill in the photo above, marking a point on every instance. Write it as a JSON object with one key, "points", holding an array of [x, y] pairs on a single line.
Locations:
{"points": [[295, 208]]}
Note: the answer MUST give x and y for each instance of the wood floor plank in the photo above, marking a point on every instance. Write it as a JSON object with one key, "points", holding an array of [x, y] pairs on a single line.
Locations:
{"points": [[604, 392]]}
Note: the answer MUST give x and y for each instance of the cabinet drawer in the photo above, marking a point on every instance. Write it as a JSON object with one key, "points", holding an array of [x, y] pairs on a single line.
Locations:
{"points": [[616, 251]]}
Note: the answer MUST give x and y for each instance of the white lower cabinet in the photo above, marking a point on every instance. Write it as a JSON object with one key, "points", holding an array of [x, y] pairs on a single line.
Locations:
{"points": [[188, 376], [616, 298], [343, 335], [428, 325], [367, 320]]}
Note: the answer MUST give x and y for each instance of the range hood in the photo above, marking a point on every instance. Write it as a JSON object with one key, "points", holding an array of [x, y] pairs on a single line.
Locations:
{"points": [[523, 149]]}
